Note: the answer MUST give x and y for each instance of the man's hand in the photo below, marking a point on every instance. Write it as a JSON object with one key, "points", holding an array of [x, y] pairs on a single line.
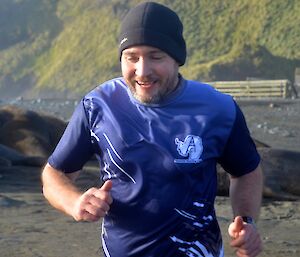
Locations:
{"points": [[93, 204], [245, 238]]}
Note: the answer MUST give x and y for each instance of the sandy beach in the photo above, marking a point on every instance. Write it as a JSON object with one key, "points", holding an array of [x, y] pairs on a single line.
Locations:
{"points": [[29, 227]]}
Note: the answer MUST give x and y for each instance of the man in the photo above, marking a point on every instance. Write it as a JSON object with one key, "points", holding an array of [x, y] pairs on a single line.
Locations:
{"points": [[158, 138]]}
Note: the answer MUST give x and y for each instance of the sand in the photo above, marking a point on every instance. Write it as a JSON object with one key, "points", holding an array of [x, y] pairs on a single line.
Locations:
{"points": [[30, 227]]}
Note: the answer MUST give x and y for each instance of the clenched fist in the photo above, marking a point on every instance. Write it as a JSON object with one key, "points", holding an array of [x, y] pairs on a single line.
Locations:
{"points": [[245, 238], [93, 204]]}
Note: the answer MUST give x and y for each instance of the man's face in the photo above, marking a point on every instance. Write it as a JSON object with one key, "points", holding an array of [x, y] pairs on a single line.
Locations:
{"points": [[150, 73]]}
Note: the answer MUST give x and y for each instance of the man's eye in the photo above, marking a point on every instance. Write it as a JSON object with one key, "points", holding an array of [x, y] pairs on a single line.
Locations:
{"points": [[132, 59], [157, 57]]}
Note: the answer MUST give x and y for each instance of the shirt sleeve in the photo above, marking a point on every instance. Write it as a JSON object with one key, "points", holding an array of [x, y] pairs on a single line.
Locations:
{"points": [[75, 147], [240, 155]]}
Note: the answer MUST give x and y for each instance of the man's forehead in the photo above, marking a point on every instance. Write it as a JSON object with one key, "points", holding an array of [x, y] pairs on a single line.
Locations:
{"points": [[142, 49]]}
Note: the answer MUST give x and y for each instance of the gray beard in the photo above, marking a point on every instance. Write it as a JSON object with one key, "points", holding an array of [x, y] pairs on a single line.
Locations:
{"points": [[150, 100]]}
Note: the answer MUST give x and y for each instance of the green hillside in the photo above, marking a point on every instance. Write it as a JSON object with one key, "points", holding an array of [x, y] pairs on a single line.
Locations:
{"points": [[50, 46]]}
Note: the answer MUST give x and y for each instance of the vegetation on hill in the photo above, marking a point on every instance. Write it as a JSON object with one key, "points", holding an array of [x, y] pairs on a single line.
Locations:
{"points": [[71, 46]]}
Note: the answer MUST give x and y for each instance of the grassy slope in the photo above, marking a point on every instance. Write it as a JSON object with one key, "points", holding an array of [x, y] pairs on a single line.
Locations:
{"points": [[83, 54], [73, 44]]}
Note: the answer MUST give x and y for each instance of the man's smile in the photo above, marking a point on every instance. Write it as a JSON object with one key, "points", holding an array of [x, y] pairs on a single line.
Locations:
{"points": [[146, 84]]}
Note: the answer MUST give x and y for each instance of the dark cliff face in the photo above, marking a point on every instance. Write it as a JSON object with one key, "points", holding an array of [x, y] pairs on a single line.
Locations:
{"points": [[255, 62]]}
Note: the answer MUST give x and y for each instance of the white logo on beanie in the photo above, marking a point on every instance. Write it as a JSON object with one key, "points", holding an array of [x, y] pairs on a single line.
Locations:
{"points": [[123, 40]]}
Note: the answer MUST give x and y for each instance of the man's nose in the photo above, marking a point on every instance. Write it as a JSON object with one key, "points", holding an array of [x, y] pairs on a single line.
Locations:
{"points": [[143, 68]]}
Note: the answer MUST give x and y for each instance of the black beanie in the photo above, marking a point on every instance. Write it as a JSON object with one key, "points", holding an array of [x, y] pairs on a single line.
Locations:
{"points": [[154, 25]]}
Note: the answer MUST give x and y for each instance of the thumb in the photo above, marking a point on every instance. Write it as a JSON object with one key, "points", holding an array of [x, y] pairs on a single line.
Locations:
{"points": [[107, 186], [236, 226]]}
